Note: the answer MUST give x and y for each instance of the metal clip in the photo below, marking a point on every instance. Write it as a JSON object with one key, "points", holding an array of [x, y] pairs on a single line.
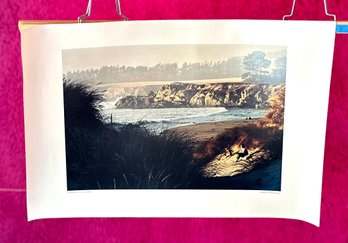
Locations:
{"points": [[83, 17], [293, 8]]}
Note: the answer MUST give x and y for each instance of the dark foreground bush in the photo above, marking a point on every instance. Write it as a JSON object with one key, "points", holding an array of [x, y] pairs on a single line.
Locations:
{"points": [[104, 156], [81, 105]]}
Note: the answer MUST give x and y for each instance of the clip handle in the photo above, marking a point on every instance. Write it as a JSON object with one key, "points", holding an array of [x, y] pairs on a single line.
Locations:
{"points": [[83, 17], [293, 8]]}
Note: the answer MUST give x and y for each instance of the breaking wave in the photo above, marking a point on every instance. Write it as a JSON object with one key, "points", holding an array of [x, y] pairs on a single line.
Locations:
{"points": [[166, 118]]}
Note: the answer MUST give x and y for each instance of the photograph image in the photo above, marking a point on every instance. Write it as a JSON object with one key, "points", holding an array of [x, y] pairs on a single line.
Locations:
{"points": [[174, 116]]}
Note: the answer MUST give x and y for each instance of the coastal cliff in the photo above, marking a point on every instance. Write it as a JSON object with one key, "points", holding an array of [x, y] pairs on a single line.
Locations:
{"points": [[179, 95]]}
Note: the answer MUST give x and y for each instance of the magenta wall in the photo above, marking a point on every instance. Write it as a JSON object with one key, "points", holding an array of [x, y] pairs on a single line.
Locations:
{"points": [[13, 223]]}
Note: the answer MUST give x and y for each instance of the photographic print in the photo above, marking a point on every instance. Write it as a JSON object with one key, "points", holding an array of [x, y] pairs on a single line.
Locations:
{"points": [[124, 112], [174, 117]]}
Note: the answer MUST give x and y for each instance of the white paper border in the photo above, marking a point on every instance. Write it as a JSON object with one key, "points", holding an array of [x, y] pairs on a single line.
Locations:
{"points": [[309, 59]]}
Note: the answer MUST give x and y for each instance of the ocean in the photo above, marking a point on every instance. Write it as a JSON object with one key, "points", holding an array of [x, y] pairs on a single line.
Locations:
{"points": [[165, 118]]}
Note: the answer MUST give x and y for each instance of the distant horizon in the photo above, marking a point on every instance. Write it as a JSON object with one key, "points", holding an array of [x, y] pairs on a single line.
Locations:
{"points": [[151, 55], [159, 83]]}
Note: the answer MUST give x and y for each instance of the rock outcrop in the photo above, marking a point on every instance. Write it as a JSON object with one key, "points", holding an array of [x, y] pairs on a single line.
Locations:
{"points": [[204, 95], [134, 102]]}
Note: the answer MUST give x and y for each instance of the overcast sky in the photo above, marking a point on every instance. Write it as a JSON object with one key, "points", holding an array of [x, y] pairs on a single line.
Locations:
{"points": [[150, 55]]}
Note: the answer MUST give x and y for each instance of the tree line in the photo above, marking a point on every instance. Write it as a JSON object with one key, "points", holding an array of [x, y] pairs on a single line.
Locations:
{"points": [[254, 67], [257, 68], [161, 72]]}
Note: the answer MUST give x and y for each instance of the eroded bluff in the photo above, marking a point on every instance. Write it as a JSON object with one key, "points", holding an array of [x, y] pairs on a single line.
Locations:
{"points": [[179, 95]]}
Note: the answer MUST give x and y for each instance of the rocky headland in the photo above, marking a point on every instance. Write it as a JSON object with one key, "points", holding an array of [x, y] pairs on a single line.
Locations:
{"points": [[180, 95]]}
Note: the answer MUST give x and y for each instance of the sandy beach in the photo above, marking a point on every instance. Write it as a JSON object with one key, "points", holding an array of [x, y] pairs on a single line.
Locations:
{"points": [[226, 170], [223, 164], [208, 131]]}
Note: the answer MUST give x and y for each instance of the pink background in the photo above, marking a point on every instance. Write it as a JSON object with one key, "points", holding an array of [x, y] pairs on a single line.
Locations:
{"points": [[13, 223]]}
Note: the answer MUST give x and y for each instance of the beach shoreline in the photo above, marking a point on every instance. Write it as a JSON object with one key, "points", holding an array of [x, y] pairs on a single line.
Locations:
{"points": [[203, 132], [223, 166]]}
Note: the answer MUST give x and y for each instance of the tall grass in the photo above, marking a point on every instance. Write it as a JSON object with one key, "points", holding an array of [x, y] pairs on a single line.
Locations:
{"points": [[252, 136], [81, 105], [106, 156]]}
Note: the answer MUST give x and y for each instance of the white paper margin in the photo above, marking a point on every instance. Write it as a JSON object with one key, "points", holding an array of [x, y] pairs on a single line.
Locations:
{"points": [[309, 60]]}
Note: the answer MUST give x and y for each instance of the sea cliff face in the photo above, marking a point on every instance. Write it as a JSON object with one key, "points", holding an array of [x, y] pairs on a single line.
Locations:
{"points": [[179, 95]]}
